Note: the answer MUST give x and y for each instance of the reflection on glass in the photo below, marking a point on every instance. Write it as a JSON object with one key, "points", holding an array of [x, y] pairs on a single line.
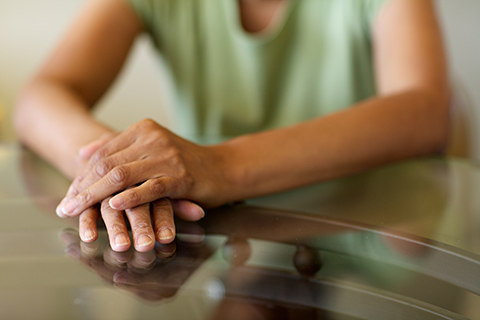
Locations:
{"points": [[153, 275]]}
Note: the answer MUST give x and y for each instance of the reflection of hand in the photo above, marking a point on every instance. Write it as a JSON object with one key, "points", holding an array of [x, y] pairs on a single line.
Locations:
{"points": [[152, 275], [145, 163]]}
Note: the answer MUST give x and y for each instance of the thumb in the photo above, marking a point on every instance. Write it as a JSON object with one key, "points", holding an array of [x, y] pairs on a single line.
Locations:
{"points": [[187, 210]]}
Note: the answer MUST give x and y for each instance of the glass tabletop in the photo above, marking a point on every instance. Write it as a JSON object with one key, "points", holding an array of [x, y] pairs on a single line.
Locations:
{"points": [[398, 242]]}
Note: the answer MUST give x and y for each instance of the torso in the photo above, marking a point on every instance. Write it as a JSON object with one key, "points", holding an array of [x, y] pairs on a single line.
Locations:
{"points": [[258, 16]]}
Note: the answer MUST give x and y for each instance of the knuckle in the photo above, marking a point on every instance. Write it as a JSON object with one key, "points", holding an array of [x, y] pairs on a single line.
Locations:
{"points": [[105, 205], [148, 123], [85, 196], [145, 124], [141, 227], [116, 228], [176, 157], [74, 190], [99, 155], [104, 167], [164, 202], [157, 187], [87, 221], [119, 176], [132, 198], [183, 173]]}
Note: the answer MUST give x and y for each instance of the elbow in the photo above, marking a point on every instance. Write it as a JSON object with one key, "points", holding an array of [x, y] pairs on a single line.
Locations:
{"points": [[440, 121], [23, 116]]}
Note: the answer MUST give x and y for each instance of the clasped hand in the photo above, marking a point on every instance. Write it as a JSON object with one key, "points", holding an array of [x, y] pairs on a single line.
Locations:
{"points": [[145, 173]]}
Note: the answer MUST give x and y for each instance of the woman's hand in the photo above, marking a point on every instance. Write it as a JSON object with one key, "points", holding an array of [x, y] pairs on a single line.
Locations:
{"points": [[149, 222], [144, 163]]}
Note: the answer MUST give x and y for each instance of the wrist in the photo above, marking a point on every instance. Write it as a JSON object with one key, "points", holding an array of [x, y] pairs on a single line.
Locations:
{"points": [[228, 174], [236, 169]]}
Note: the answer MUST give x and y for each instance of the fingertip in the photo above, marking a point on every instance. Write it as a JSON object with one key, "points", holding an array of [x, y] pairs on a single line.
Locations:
{"points": [[68, 208], [68, 236], [89, 236], [165, 235], [59, 210], [121, 243], [188, 210], [116, 203], [59, 213], [166, 250], [144, 243]]}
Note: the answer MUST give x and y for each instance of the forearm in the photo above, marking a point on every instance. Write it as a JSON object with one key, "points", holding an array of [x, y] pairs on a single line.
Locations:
{"points": [[375, 132], [55, 122]]}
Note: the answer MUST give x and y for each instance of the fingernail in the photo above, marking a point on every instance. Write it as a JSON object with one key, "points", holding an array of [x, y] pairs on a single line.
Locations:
{"points": [[202, 212], [165, 234], [72, 253], [144, 240], [122, 240], [88, 235], [69, 207], [59, 212], [116, 202], [120, 277]]}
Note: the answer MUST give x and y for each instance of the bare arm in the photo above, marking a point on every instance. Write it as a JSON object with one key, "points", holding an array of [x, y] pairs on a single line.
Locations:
{"points": [[408, 118], [52, 115]]}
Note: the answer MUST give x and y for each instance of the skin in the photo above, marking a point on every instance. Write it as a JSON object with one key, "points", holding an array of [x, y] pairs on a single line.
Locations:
{"points": [[151, 172]]}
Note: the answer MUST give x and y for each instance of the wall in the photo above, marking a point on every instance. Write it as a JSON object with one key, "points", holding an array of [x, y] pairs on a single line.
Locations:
{"points": [[29, 30], [461, 26]]}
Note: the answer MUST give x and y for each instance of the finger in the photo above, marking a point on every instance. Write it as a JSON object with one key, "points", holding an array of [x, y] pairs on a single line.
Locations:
{"points": [[147, 192], [87, 224], [187, 210], [189, 233], [87, 151], [90, 250], [77, 249], [153, 294], [86, 253], [141, 224], [116, 227], [116, 260], [96, 171], [166, 251], [100, 164], [72, 242], [142, 261], [120, 178], [59, 209], [163, 223], [108, 146], [117, 144], [69, 236]]}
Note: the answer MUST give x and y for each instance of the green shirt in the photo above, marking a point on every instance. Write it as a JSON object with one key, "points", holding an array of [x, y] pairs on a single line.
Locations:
{"points": [[229, 82]]}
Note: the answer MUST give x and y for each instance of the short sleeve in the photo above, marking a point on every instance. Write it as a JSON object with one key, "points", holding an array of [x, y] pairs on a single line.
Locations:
{"points": [[372, 8]]}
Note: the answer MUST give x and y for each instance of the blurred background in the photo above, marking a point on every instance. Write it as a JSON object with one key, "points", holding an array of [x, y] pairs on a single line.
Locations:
{"points": [[30, 28]]}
